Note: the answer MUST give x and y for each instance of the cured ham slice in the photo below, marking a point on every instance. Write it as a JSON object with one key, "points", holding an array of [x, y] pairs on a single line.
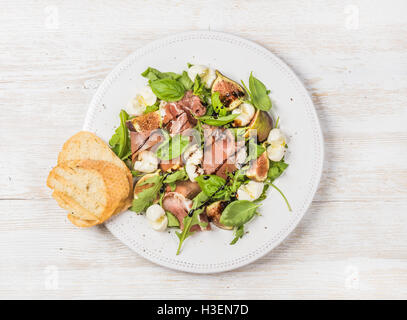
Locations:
{"points": [[179, 202], [193, 104], [220, 145]]}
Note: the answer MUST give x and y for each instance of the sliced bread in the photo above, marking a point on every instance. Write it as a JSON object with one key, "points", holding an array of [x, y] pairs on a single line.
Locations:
{"points": [[86, 145], [91, 190]]}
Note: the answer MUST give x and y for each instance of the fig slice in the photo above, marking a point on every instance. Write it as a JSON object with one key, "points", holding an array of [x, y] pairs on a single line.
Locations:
{"points": [[259, 168], [139, 187], [261, 124], [214, 212], [231, 94], [146, 122]]}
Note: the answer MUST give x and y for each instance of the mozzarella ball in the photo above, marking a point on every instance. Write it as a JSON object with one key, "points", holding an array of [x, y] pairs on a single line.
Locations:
{"points": [[277, 142], [275, 153], [250, 191], [245, 114], [206, 74], [276, 137], [138, 104], [146, 162], [155, 214]]}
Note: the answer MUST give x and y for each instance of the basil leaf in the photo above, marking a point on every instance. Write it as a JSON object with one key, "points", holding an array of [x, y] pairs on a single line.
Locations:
{"points": [[186, 81], [220, 121], [188, 221], [153, 74], [179, 175], [212, 185], [120, 141], [172, 220], [239, 232], [259, 94], [238, 212], [276, 169], [146, 197], [168, 89], [173, 148]]}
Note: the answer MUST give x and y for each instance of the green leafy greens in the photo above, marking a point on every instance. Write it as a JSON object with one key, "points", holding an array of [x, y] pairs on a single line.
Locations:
{"points": [[146, 197], [238, 212], [168, 89], [239, 232], [212, 185], [172, 147], [189, 222], [200, 90], [172, 220], [120, 141], [153, 74], [219, 121], [258, 93]]}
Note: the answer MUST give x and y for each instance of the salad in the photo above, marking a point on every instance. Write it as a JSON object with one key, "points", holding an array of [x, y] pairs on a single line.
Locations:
{"points": [[202, 148]]}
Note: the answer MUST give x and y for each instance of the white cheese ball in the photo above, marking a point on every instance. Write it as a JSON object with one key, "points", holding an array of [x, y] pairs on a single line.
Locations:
{"points": [[138, 104], [245, 114], [146, 162], [250, 191], [277, 141], [155, 214], [206, 74]]}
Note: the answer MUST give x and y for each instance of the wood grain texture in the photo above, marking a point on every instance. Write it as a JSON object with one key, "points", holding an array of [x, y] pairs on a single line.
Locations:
{"points": [[353, 241]]}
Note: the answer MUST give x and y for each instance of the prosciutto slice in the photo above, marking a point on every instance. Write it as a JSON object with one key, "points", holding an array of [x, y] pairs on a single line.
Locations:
{"points": [[179, 202], [220, 145]]}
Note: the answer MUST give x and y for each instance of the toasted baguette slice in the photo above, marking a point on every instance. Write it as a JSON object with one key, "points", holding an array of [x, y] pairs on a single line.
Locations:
{"points": [[92, 190], [87, 146]]}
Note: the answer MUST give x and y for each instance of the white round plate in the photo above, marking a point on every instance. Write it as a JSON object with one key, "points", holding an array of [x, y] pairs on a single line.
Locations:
{"points": [[209, 252]]}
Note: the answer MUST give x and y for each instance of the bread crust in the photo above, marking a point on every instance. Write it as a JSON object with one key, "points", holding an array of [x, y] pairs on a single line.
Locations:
{"points": [[86, 155], [86, 145]]}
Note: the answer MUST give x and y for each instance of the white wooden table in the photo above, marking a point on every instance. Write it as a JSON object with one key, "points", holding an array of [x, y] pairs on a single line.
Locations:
{"points": [[352, 57]]}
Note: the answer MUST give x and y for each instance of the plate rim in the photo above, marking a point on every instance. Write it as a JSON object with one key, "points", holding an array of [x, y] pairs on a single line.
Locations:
{"points": [[283, 234]]}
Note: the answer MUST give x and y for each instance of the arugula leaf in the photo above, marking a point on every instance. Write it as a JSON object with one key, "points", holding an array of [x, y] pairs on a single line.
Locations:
{"points": [[276, 169], [137, 173], [237, 213], [179, 175], [263, 195], [168, 89], [152, 108], [188, 221], [173, 147], [200, 90], [172, 220], [186, 81], [238, 132], [219, 121], [259, 94], [153, 74], [239, 232], [120, 141], [238, 179], [212, 185], [146, 197], [217, 104], [255, 150], [282, 194]]}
